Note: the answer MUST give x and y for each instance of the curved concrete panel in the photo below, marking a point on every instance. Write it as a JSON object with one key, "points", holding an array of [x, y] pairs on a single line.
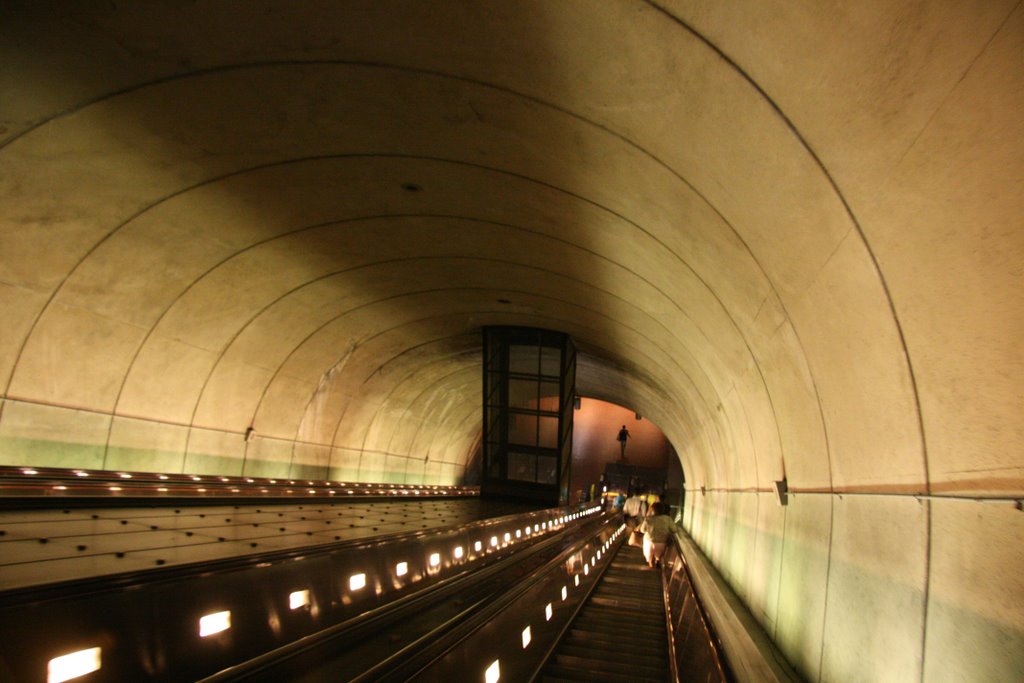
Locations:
{"points": [[262, 239]]}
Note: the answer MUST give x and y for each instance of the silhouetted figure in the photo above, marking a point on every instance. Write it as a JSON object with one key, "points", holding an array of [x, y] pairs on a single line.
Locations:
{"points": [[623, 435]]}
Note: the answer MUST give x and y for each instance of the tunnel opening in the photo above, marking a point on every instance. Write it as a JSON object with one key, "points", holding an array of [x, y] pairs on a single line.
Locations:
{"points": [[601, 467]]}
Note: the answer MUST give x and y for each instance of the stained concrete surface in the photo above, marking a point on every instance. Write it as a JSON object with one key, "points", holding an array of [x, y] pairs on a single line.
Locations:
{"points": [[788, 234]]}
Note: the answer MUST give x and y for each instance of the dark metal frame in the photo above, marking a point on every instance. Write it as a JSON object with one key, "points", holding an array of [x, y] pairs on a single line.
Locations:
{"points": [[498, 373], [146, 622]]}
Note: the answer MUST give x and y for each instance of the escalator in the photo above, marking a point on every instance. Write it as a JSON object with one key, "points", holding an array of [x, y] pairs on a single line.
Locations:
{"points": [[593, 613], [578, 605], [619, 634]]}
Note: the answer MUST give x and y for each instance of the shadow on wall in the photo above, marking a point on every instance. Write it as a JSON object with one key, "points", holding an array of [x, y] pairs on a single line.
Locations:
{"points": [[249, 189], [595, 427]]}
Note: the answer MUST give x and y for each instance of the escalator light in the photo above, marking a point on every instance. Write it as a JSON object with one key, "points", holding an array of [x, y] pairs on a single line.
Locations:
{"points": [[458, 552], [493, 673], [357, 581], [478, 546], [401, 569], [565, 593], [73, 665], [526, 637], [548, 612], [298, 599], [435, 559], [214, 623]]}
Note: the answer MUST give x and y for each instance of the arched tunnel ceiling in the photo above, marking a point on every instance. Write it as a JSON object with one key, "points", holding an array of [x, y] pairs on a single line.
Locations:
{"points": [[773, 230]]}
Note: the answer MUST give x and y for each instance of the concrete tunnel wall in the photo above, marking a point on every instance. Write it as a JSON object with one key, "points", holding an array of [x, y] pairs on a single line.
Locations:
{"points": [[788, 233]]}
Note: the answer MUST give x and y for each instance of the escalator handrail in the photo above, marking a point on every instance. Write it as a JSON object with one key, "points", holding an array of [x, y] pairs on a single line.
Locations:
{"points": [[747, 652], [385, 615], [468, 646], [183, 572], [612, 552]]}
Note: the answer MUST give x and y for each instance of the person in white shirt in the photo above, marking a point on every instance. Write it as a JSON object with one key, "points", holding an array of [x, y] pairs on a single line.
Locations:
{"points": [[656, 528], [635, 507]]}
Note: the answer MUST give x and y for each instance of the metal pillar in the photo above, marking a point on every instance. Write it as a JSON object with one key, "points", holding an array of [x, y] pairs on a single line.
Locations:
{"points": [[529, 385]]}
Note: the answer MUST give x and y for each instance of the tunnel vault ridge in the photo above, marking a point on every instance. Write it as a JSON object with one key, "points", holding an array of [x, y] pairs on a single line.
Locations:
{"points": [[789, 234]]}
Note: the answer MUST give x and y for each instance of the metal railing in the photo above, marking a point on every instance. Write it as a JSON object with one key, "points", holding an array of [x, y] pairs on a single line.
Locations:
{"points": [[191, 621], [694, 649], [513, 637], [41, 486]]}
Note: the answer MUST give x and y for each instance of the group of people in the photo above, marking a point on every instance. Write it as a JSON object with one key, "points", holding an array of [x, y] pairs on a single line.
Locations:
{"points": [[653, 522]]}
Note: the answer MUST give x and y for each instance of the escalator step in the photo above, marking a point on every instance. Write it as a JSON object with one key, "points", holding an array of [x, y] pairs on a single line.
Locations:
{"points": [[633, 591], [562, 673], [616, 632], [632, 656], [633, 583], [575, 638], [618, 627], [619, 605], [626, 667], [629, 610], [654, 622], [619, 635], [614, 592]]}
